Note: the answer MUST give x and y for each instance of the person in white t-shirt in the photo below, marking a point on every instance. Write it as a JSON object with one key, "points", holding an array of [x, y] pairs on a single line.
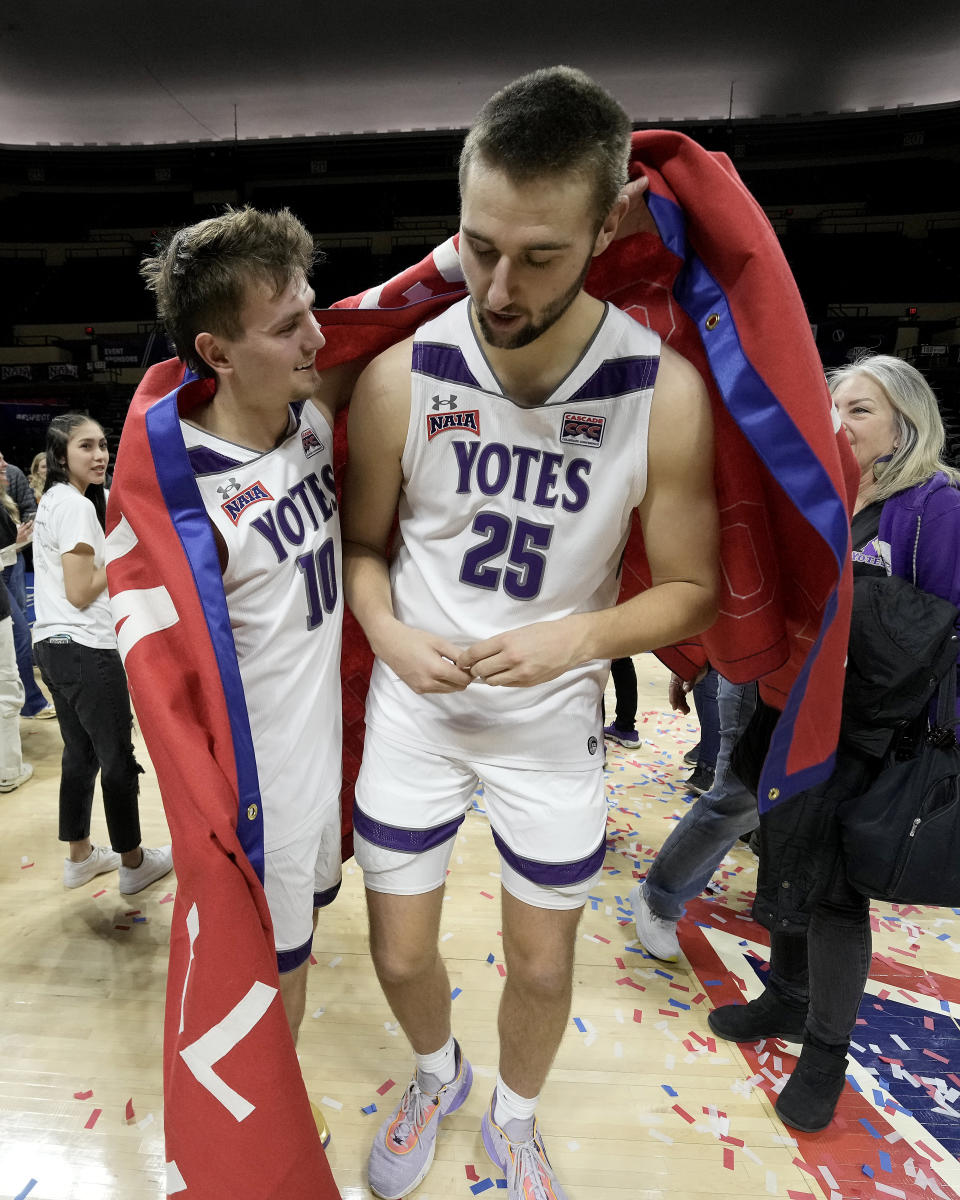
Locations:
{"points": [[76, 650]]}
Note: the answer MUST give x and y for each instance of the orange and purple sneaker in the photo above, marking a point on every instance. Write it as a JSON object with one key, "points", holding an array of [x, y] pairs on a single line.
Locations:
{"points": [[518, 1150], [405, 1144]]}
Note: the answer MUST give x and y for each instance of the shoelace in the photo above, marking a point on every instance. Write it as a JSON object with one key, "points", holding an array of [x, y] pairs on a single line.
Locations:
{"points": [[413, 1108], [530, 1165]]}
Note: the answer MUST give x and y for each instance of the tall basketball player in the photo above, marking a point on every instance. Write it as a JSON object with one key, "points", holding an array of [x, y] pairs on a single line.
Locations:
{"points": [[233, 294], [517, 432]]}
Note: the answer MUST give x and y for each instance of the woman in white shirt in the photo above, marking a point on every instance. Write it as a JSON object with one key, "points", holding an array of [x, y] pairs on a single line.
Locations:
{"points": [[76, 650]]}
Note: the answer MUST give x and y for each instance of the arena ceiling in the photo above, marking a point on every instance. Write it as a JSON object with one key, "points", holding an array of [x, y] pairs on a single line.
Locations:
{"points": [[104, 72]]}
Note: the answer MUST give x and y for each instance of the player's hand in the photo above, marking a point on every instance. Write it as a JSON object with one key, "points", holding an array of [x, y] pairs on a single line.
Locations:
{"points": [[521, 657], [677, 694], [424, 661]]}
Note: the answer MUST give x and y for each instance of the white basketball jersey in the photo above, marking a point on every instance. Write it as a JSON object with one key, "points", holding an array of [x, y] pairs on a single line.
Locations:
{"points": [[277, 514], [511, 515]]}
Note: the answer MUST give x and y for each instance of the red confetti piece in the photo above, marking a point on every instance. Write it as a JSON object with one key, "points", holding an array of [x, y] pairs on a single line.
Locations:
{"points": [[502, 970], [933, 1054], [313, 961], [102, 892], [728, 1158], [93, 1118], [24, 866], [598, 938], [928, 1152], [954, 1080], [134, 912], [682, 1113], [800, 1195], [798, 1162], [637, 1015], [168, 898], [82, 1095], [620, 963], [928, 1022], [680, 987], [725, 1137], [385, 1087], [471, 1171], [668, 1012], [121, 926], [699, 998], [130, 1112], [487, 895], [631, 983], [698, 1038]]}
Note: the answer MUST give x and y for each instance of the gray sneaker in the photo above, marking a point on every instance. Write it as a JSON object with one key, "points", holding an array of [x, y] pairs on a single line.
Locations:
{"points": [[658, 935], [403, 1149], [156, 864], [524, 1162]]}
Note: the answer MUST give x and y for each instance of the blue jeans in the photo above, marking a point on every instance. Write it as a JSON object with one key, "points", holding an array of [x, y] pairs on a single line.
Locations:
{"points": [[695, 848], [33, 698], [705, 702]]}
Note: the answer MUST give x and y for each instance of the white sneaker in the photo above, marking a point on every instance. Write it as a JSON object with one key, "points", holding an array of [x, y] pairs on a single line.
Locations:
{"points": [[659, 936], [10, 785], [156, 864], [99, 861]]}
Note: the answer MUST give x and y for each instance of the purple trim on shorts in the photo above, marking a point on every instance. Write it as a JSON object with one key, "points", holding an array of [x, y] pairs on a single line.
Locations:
{"points": [[407, 841], [322, 899], [552, 874], [289, 960]]}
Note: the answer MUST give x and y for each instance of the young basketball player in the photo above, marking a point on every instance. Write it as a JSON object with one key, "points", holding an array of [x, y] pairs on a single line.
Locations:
{"points": [[234, 295], [517, 432]]}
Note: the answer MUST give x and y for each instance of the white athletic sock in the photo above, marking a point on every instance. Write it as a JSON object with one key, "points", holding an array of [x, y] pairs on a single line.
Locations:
{"points": [[509, 1106], [434, 1070]]}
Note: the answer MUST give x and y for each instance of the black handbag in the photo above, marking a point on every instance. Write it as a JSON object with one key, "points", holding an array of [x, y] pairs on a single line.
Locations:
{"points": [[901, 837]]}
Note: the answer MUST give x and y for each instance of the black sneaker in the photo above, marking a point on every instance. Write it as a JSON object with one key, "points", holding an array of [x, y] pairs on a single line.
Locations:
{"points": [[691, 756], [700, 781], [766, 1017]]}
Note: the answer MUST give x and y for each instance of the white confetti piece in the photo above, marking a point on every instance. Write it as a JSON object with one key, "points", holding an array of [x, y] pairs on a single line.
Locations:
{"points": [[318, 1012], [590, 1039], [618, 1049], [890, 1191], [618, 1013], [828, 1178], [669, 1061], [784, 1139], [661, 1137], [147, 1120], [446, 937], [899, 1040], [573, 1145], [752, 1156], [331, 1103], [335, 962], [772, 1182]]}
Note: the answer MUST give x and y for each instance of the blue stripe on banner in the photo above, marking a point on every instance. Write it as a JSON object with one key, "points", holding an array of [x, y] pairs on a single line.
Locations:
{"points": [[189, 517], [777, 441]]}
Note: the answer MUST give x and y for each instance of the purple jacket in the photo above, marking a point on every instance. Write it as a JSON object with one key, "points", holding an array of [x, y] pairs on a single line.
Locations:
{"points": [[920, 537]]}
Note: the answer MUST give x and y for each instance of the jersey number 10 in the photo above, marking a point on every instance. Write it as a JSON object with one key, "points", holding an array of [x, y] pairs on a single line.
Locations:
{"points": [[319, 573]]}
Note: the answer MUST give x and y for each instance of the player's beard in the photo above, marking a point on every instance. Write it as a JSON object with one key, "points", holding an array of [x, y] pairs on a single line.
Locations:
{"points": [[534, 328]]}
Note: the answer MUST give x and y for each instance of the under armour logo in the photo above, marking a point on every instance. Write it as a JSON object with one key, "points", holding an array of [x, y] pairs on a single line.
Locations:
{"points": [[438, 403], [229, 488]]}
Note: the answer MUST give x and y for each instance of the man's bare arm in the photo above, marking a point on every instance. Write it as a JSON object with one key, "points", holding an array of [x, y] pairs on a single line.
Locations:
{"points": [[679, 519], [377, 430]]}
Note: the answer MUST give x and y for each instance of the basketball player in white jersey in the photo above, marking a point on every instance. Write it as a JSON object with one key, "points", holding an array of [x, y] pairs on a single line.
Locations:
{"points": [[517, 432], [234, 295]]}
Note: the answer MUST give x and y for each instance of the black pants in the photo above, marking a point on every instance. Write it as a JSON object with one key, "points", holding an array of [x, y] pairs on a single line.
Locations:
{"points": [[625, 685], [89, 690]]}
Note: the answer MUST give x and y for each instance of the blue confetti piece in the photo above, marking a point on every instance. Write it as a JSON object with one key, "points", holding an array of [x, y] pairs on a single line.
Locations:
{"points": [[612, 871], [619, 900], [455, 993], [490, 958], [596, 898], [869, 1128], [712, 982], [878, 1098], [371, 1108], [669, 1090], [678, 1003], [636, 950], [482, 1186], [665, 974], [943, 937], [703, 925], [26, 1191], [502, 1183], [868, 1171], [579, 1024], [594, 904], [885, 1161], [854, 1084], [945, 1005], [139, 920]]}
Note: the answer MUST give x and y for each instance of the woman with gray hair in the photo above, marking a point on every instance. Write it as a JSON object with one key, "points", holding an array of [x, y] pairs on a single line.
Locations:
{"points": [[906, 522]]}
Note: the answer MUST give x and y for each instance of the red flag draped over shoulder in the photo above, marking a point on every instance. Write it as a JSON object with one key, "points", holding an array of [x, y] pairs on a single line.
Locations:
{"points": [[716, 287], [238, 1123]]}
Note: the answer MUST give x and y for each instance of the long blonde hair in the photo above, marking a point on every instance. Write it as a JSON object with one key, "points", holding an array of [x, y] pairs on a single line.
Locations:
{"points": [[921, 435]]}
